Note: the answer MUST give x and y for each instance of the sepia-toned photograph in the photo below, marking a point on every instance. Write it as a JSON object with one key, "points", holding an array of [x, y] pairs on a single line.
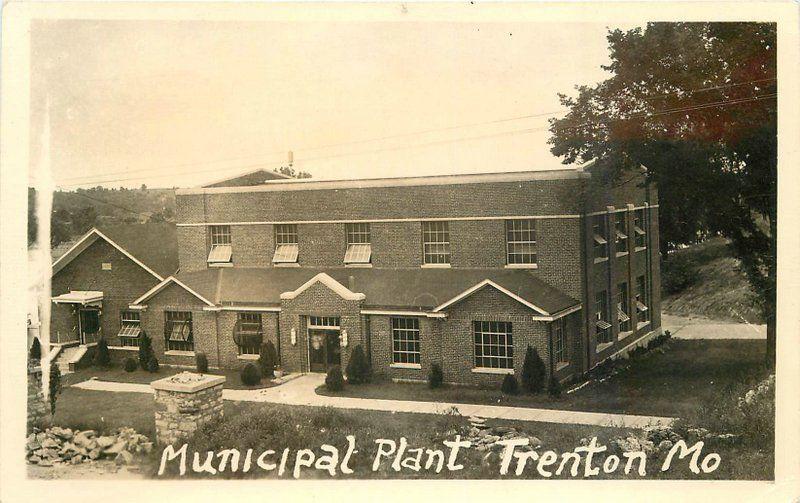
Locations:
{"points": [[388, 246]]}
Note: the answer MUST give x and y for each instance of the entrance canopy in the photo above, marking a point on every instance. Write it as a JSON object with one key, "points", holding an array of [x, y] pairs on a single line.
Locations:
{"points": [[82, 297]]}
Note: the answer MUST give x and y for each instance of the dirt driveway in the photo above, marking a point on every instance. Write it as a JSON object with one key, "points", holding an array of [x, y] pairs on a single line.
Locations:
{"points": [[696, 327]]}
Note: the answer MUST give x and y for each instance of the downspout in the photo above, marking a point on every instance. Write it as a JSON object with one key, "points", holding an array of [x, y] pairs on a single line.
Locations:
{"points": [[216, 320], [550, 346], [278, 337]]}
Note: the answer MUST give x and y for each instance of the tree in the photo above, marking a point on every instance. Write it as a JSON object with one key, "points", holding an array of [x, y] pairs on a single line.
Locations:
{"points": [[358, 371], [334, 380], [101, 356], [268, 359], [510, 385], [55, 387], [35, 353], [694, 103], [533, 371], [33, 222], [201, 362], [145, 350], [435, 377]]}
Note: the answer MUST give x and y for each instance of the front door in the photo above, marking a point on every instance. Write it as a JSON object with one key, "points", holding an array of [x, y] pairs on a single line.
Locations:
{"points": [[89, 325], [323, 349]]}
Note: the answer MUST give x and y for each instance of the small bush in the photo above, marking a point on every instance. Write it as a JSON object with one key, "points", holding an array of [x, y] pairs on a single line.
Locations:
{"points": [[201, 362], [554, 388], [435, 377], [55, 387], [131, 365], [533, 371], [250, 375], [35, 353], [358, 371], [678, 272], [268, 359], [145, 350], [510, 385], [101, 356], [152, 365], [334, 381]]}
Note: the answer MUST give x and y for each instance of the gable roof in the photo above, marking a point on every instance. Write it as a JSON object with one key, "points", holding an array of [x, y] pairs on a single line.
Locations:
{"points": [[338, 288], [165, 283], [250, 178], [153, 247]]}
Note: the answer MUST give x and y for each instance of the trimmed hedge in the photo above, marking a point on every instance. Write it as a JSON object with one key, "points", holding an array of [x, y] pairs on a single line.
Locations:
{"points": [[131, 365], [435, 377], [201, 362], [510, 385], [334, 381], [250, 375]]}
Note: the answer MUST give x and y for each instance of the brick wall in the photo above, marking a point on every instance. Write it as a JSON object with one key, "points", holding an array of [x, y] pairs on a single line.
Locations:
{"points": [[380, 330], [125, 282], [252, 246], [192, 248]]}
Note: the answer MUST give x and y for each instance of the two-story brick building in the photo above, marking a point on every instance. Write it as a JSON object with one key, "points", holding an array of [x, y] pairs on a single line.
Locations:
{"points": [[465, 270]]}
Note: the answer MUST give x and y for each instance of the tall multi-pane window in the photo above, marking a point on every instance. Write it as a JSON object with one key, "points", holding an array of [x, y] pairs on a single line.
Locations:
{"points": [[405, 340], [178, 331], [286, 248], [221, 250], [129, 329], [621, 230], [560, 340], [521, 242], [601, 323], [639, 229], [623, 316], [435, 242], [359, 248], [248, 333], [642, 300], [494, 344], [600, 236]]}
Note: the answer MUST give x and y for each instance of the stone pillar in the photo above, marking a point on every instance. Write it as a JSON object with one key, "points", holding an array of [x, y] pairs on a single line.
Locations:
{"points": [[184, 402], [37, 406]]}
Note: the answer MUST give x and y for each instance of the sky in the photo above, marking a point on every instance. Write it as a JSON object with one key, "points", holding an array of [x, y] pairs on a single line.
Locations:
{"points": [[182, 103]]}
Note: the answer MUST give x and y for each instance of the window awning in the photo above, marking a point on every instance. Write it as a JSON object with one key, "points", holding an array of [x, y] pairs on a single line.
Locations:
{"points": [[179, 331], [640, 307], [285, 253], [603, 325], [622, 316], [358, 253], [638, 230], [131, 330], [220, 254], [244, 334], [600, 239], [82, 297], [621, 235]]}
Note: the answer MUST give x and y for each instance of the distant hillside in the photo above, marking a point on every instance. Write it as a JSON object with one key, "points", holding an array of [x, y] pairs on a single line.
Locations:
{"points": [[705, 280]]}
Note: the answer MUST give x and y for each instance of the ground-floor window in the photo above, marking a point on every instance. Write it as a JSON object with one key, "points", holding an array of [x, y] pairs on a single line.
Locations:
{"points": [[602, 326], [494, 345], [623, 316], [178, 330], [405, 340], [129, 329], [248, 333], [560, 341], [642, 300]]}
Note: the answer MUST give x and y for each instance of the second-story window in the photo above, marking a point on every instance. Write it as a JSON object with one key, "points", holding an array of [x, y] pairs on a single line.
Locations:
{"points": [[623, 316], [359, 247], [521, 242], [602, 326], [221, 251], [435, 243], [286, 247], [639, 226], [600, 237], [621, 230], [642, 300]]}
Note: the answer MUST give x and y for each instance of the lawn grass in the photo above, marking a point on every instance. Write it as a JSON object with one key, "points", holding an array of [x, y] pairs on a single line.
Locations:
{"points": [[673, 382], [116, 373]]}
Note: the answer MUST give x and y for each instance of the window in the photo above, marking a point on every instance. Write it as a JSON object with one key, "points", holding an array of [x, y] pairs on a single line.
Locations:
{"points": [[602, 326], [405, 340], [639, 226], [494, 345], [221, 251], [436, 242], [642, 300], [623, 316], [620, 225], [129, 329], [560, 340], [178, 331], [324, 322], [359, 249], [600, 236], [520, 242], [248, 333], [286, 248]]}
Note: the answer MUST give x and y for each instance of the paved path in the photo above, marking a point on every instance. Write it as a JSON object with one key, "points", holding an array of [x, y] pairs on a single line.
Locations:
{"points": [[683, 327], [300, 391]]}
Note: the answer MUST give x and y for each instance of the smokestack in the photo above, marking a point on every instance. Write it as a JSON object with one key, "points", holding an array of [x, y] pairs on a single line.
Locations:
{"points": [[291, 158]]}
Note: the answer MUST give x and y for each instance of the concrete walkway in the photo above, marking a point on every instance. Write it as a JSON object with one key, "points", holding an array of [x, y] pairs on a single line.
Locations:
{"points": [[683, 327], [300, 391]]}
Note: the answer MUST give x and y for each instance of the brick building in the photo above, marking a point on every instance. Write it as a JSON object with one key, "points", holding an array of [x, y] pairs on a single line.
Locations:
{"points": [[466, 271]]}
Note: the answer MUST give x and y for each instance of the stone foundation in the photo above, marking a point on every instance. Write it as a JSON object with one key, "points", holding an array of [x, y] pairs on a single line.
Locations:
{"points": [[183, 403], [37, 406]]}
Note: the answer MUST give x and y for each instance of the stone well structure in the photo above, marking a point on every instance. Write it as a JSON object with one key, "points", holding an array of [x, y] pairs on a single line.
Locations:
{"points": [[37, 405], [184, 402]]}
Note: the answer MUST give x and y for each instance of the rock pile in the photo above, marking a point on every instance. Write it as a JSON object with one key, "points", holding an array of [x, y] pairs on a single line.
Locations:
{"points": [[656, 440], [64, 445], [484, 437]]}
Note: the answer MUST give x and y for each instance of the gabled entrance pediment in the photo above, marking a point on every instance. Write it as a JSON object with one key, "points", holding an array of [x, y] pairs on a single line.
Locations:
{"points": [[333, 285]]}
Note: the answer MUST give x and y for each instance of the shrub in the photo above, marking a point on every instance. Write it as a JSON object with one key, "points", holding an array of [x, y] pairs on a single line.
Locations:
{"points": [[358, 370], [268, 359], [131, 365], [678, 272], [510, 386], [334, 381], [152, 365], [554, 387], [145, 350], [35, 353], [101, 356], [435, 377], [201, 362], [55, 387], [250, 375], [533, 371]]}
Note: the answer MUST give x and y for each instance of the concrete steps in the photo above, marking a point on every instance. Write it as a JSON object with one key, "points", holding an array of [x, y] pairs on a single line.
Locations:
{"points": [[68, 357]]}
